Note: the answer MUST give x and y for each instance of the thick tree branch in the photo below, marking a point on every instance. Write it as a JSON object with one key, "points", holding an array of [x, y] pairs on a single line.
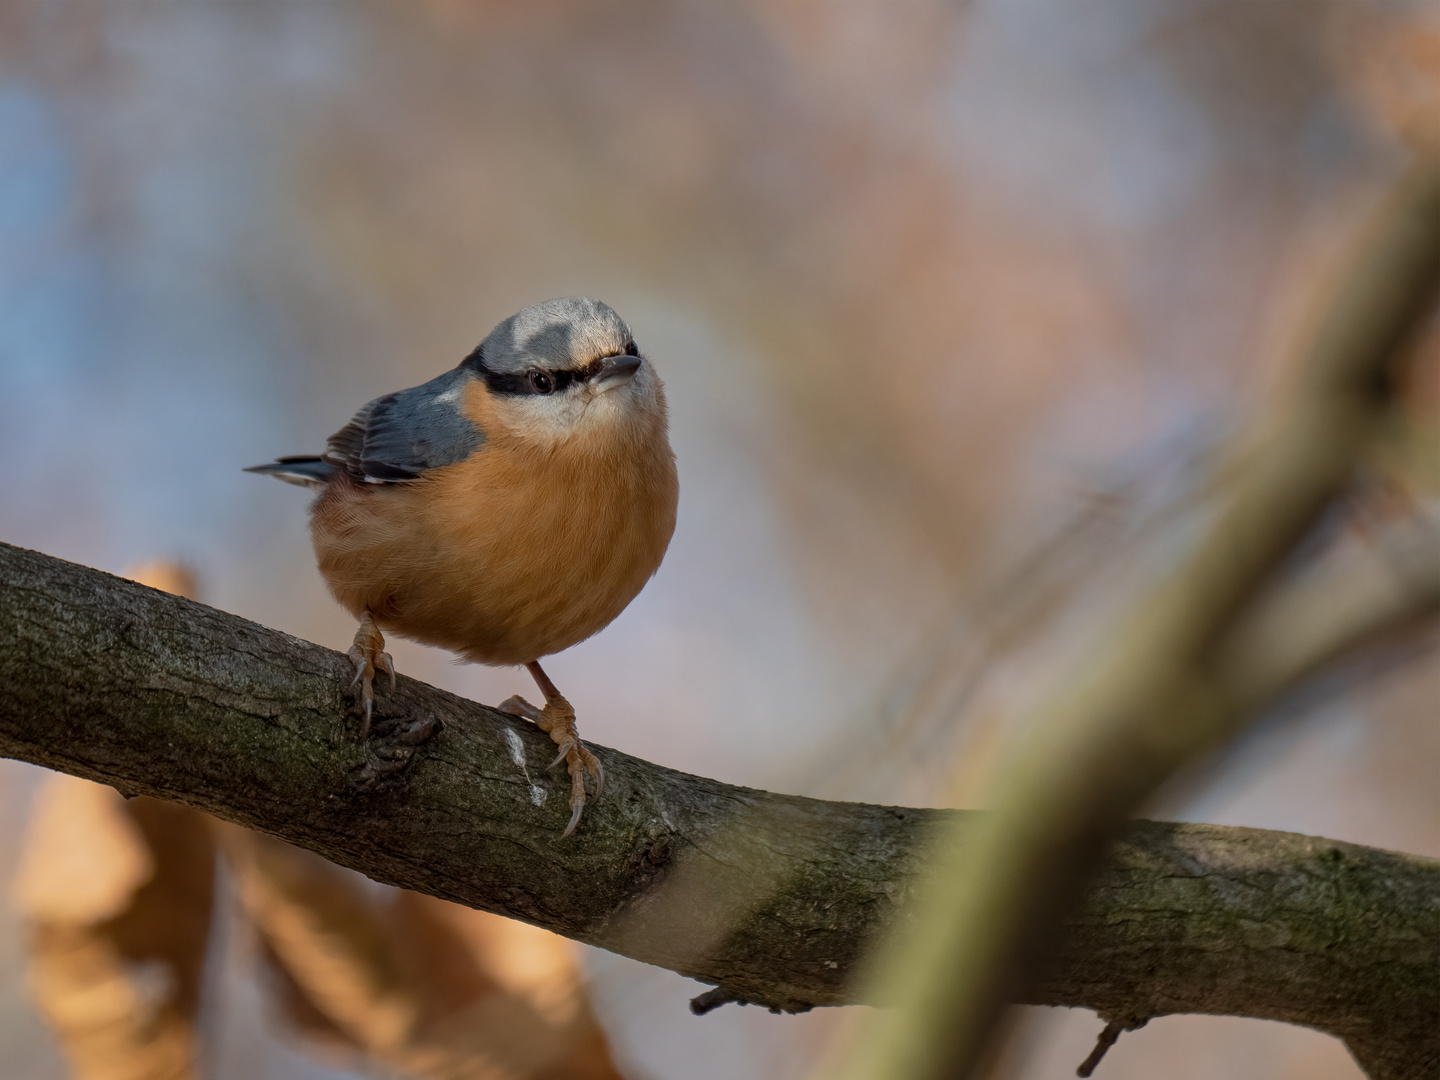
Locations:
{"points": [[772, 897]]}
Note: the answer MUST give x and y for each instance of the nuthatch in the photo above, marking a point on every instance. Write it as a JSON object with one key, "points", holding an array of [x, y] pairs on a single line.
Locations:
{"points": [[505, 510]]}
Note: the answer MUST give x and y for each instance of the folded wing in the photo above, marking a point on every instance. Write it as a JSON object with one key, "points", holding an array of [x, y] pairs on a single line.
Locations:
{"points": [[393, 439]]}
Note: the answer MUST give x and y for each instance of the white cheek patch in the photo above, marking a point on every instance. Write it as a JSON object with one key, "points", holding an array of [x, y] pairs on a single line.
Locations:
{"points": [[543, 418], [517, 755]]}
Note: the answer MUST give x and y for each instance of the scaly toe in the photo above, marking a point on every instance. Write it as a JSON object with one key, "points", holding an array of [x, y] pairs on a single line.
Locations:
{"points": [[594, 768], [367, 653], [516, 705], [558, 720]]}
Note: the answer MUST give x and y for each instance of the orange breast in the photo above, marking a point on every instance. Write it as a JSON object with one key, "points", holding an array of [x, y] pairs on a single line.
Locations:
{"points": [[518, 552]]}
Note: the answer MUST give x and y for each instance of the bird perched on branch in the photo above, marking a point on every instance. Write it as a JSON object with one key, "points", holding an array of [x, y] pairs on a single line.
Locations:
{"points": [[505, 510]]}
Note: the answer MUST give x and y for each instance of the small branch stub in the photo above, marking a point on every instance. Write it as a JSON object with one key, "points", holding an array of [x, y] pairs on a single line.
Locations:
{"points": [[1106, 1039]]}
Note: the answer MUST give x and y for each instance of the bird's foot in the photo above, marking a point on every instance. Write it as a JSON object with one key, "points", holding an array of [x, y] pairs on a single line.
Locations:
{"points": [[367, 654], [557, 719], [392, 743]]}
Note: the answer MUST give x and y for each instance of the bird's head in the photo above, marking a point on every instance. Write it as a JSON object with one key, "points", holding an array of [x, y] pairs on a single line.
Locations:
{"points": [[566, 368]]}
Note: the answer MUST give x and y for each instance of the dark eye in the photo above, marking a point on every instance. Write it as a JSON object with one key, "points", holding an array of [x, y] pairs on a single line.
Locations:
{"points": [[630, 349], [541, 383]]}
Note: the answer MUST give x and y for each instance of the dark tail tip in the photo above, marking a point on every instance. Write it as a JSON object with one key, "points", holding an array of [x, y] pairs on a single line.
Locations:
{"points": [[307, 471]]}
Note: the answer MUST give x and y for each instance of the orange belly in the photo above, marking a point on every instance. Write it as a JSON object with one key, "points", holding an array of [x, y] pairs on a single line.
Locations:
{"points": [[514, 554]]}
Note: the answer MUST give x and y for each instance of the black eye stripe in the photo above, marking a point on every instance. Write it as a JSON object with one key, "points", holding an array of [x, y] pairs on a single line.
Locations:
{"points": [[519, 382]]}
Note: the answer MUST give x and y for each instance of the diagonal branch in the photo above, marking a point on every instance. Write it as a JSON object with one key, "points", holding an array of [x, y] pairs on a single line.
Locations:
{"points": [[1174, 678], [773, 898]]}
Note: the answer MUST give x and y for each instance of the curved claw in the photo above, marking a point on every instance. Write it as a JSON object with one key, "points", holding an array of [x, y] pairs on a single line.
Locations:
{"points": [[576, 809], [576, 759], [589, 762]]}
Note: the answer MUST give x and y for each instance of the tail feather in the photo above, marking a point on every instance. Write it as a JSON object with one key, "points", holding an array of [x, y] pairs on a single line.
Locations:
{"points": [[304, 470]]}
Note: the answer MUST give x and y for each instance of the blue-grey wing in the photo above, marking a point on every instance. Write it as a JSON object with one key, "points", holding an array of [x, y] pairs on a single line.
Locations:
{"points": [[399, 436]]}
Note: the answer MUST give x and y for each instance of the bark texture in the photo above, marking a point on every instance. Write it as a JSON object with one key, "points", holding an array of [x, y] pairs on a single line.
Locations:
{"points": [[772, 898]]}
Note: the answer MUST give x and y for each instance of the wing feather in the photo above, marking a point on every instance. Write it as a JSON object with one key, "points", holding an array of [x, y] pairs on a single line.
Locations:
{"points": [[398, 437]]}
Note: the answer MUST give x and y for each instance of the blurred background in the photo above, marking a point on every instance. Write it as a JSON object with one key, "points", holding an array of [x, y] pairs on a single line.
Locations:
{"points": [[949, 299]]}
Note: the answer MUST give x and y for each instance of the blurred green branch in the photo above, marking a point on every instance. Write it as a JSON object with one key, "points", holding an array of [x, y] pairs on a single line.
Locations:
{"points": [[773, 898], [1192, 663]]}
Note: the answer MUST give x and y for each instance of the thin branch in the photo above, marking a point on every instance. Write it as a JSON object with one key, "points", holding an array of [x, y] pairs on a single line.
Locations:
{"points": [[1167, 685], [772, 898]]}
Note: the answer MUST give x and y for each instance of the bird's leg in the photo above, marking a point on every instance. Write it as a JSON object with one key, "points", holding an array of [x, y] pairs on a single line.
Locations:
{"points": [[368, 653], [557, 719]]}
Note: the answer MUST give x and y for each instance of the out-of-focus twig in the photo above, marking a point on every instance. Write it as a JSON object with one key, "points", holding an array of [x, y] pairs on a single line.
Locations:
{"points": [[946, 675], [1155, 692]]}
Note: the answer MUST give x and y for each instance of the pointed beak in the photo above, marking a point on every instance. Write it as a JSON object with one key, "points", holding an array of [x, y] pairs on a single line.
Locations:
{"points": [[615, 371]]}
